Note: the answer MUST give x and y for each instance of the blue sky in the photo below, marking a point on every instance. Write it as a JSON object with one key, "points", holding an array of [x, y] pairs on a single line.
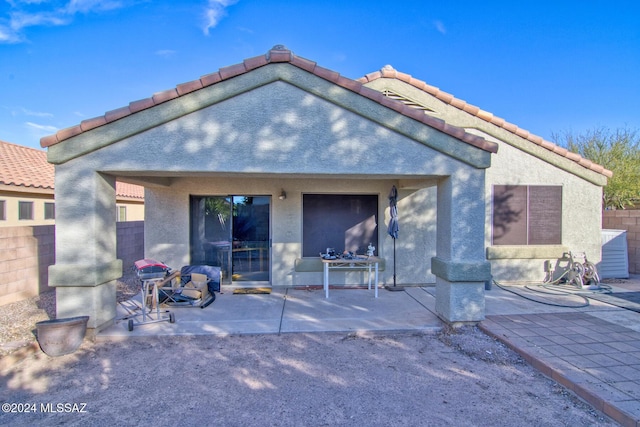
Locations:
{"points": [[547, 66]]}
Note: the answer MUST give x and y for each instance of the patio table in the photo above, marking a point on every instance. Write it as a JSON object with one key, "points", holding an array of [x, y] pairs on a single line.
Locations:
{"points": [[360, 262]]}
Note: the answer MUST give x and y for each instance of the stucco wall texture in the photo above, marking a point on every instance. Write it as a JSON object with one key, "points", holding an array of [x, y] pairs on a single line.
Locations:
{"points": [[280, 127], [520, 163]]}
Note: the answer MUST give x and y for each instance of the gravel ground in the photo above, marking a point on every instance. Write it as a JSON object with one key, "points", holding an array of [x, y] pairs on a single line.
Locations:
{"points": [[456, 377], [19, 319]]}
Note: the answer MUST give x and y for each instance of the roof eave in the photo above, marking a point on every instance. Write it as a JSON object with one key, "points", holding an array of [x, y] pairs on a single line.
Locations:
{"points": [[278, 54], [388, 72]]}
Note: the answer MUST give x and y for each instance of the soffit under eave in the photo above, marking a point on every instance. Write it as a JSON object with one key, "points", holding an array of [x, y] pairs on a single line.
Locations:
{"points": [[110, 133]]}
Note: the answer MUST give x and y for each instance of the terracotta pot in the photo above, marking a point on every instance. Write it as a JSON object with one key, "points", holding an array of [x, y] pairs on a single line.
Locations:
{"points": [[61, 336]]}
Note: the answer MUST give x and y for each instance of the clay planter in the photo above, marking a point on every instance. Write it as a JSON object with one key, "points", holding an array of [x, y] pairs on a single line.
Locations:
{"points": [[61, 336]]}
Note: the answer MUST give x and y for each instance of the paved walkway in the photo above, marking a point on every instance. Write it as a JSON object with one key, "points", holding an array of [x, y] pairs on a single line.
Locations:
{"points": [[596, 359], [592, 349]]}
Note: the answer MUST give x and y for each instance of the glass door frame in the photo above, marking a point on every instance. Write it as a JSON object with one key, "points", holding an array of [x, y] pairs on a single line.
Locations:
{"points": [[251, 239], [214, 239]]}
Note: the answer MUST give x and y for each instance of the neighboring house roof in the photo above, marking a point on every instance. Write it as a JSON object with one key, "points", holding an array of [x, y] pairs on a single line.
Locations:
{"points": [[389, 72], [126, 190], [25, 167], [279, 54], [22, 166]]}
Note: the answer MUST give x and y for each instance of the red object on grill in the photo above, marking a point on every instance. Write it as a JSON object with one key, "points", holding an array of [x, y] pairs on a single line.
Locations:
{"points": [[150, 269]]}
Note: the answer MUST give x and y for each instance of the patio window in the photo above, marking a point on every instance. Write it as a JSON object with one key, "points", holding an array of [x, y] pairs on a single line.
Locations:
{"points": [[49, 210], [527, 215], [25, 210], [122, 214], [339, 221]]}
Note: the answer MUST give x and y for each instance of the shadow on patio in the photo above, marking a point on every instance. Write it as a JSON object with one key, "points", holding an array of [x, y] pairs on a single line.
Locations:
{"points": [[293, 310]]}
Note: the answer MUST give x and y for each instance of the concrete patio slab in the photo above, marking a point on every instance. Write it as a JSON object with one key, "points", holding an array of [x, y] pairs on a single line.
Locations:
{"points": [[291, 310], [357, 310]]}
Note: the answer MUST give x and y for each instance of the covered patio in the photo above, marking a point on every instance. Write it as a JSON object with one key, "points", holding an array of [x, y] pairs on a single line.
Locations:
{"points": [[273, 123]]}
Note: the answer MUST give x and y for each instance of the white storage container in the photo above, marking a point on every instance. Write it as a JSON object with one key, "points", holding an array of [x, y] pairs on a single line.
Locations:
{"points": [[615, 256]]}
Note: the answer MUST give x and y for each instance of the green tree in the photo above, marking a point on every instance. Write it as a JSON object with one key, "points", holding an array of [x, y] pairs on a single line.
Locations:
{"points": [[618, 151]]}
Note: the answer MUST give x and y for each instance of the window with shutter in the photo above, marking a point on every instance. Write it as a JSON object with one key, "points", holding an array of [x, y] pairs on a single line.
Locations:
{"points": [[527, 215], [339, 221]]}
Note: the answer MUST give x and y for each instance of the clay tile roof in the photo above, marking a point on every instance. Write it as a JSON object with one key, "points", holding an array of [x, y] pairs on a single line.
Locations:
{"points": [[389, 73], [25, 167], [22, 166], [131, 191], [277, 54]]}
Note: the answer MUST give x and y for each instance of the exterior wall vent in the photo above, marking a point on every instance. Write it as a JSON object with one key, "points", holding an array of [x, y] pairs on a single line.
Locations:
{"points": [[408, 102]]}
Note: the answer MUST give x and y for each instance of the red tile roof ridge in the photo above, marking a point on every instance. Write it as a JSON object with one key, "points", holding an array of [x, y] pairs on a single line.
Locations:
{"points": [[23, 166], [390, 73], [277, 54]]}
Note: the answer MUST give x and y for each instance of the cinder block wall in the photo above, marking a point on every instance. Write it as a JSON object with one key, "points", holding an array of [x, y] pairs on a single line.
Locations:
{"points": [[24, 261], [29, 251], [130, 243], [629, 220]]}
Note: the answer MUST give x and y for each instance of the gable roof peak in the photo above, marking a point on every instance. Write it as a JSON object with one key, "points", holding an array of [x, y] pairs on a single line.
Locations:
{"points": [[277, 54], [279, 49]]}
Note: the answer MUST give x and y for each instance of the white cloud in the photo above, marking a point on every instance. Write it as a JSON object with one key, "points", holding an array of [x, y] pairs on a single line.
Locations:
{"points": [[7, 35], [35, 113], [14, 3], [215, 11], [31, 13], [42, 128], [86, 6], [21, 111], [20, 20], [11, 29], [165, 53], [440, 27]]}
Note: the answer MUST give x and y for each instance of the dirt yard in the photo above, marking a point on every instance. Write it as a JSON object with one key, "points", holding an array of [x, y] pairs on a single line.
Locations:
{"points": [[454, 378]]}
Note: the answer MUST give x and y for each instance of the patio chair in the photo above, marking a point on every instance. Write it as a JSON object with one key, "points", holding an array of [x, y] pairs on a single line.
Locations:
{"points": [[196, 288]]}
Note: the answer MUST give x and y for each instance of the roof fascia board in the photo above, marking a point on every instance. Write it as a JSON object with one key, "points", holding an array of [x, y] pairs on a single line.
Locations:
{"points": [[390, 119], [157, 115], [541, 153], [175, 108], [469, 121]]}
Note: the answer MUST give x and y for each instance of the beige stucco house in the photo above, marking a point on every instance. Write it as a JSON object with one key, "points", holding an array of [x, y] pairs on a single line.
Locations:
{"points": [[27, 190], [262, 165]]}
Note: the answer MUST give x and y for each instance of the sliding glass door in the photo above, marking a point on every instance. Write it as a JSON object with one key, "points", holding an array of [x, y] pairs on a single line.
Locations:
{"points": [[232, 232]]}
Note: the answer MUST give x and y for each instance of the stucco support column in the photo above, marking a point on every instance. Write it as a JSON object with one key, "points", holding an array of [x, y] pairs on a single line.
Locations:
{"points": [[86, 267], [460, 266]]}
